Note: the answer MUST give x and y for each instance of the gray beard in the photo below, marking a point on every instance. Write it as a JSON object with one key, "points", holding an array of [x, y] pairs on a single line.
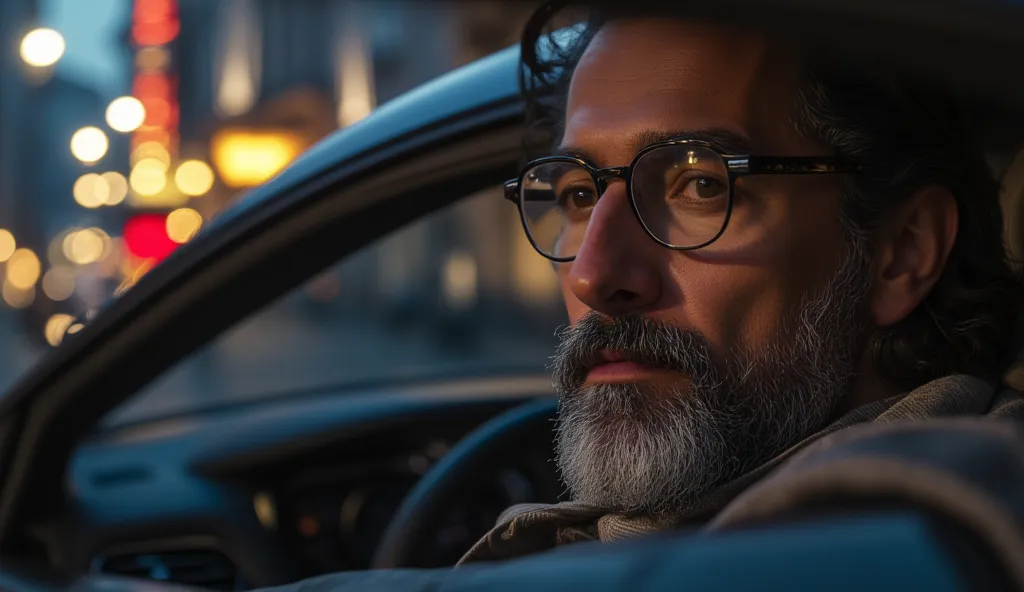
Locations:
{"points": [[640, 448]]}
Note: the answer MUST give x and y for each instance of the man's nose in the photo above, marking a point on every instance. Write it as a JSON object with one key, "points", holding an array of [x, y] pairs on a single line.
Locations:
{"points": [[616, 269]]}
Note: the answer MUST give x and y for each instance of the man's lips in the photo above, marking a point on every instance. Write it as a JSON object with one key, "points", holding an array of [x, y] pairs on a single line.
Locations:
{"points": [[612, 367]]}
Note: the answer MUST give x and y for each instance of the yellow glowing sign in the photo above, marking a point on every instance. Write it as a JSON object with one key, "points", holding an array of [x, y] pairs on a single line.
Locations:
{"points": [[248, 158]]}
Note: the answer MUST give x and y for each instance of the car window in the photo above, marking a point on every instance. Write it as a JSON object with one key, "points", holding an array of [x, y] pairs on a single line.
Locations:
{"points": [[460, 292]]}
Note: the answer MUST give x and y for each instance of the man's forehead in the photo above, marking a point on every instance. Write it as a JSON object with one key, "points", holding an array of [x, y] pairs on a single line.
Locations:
{"points": [[641, 79], [678, 40], [725, 141]]}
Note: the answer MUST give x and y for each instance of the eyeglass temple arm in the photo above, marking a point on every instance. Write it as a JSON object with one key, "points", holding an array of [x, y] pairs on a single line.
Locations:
{"points": [[512, 190], [791, 165]]}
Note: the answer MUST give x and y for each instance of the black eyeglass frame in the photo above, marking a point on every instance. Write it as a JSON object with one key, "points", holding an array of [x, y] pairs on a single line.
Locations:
{"points": [[736, 165]]}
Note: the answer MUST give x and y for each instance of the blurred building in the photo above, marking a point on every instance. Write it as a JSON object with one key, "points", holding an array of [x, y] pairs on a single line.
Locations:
{"points": [[16, 17], [280, 71], [60, 107], [41, 108]]}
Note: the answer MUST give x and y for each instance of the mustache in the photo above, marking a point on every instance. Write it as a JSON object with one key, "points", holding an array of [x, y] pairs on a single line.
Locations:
{"points": [[640, 339]]}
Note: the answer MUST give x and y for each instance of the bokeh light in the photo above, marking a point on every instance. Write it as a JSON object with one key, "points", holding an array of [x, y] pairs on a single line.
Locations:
{"points": [[151, 150], [16, 297], [59, 283], [158, 112], [125, 114], [148, 177], [194, 177], [152, 58], [89, 144], [23, 269], [145, 236], [183, 224], [459, 276], [56, 327], [7, 245], [91, 190], [84, 246], [118, 188], [42, 48], [246, 158]]}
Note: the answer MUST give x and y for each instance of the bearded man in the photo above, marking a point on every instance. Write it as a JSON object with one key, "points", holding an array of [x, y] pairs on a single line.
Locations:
{"points": [[761, 251], [787, 288]]}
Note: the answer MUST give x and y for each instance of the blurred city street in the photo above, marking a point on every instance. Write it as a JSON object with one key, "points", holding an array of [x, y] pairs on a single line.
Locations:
{"points": [[127, 126]]}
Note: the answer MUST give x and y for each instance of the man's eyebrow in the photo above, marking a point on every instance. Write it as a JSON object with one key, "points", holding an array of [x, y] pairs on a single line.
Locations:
{"points": [[575, 152], [723, 140]]}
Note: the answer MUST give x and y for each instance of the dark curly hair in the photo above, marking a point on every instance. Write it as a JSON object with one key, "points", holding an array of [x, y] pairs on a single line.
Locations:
{"points": [[907, 134]]}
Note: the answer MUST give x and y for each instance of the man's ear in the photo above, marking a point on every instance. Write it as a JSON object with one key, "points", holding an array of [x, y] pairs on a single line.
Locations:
{"points": [[911, 250]]}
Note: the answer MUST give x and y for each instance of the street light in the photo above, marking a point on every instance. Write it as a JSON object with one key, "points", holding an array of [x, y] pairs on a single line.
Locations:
{"points": [[89, 144], [125, 114], [194, 178], [23, 269], [42, 47], [183, 224], [7, 245]]}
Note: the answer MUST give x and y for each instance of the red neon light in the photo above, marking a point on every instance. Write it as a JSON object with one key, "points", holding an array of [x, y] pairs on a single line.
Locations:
{"points": [[158, 112], [152, 134], [145, 235], [152, 86], [155, 33], [155, 22], [153, 10]]}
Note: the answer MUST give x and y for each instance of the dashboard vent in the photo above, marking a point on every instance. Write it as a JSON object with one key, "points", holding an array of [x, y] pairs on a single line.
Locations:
{"points": [[198, 567]]}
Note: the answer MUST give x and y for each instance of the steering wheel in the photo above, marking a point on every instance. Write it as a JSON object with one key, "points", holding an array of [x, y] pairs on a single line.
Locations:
{"points": [[412, 527]]}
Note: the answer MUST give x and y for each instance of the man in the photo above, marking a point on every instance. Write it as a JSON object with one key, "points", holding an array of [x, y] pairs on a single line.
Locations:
{"points": [[796, 247], [801, 261]]}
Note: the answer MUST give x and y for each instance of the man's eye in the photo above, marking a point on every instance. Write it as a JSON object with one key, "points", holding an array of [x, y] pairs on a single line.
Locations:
{"points": [[704, 188], [577, 198]]}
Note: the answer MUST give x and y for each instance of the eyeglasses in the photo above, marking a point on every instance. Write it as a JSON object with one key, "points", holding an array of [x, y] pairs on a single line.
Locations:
{"points": [[680, 190]]}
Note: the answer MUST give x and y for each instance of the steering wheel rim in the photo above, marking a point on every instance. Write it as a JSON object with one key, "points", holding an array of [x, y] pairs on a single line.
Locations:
{"points": [[415, 517]]}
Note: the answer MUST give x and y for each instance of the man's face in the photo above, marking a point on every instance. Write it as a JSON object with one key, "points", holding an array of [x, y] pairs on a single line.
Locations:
{"points": [[682, 369]]}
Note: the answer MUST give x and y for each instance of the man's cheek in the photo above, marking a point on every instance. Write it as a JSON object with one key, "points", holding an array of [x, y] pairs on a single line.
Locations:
{"points": [[728, 305]]}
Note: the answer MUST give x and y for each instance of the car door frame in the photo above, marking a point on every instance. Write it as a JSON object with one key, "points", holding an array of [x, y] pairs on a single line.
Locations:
{"points": [[326, 206]]}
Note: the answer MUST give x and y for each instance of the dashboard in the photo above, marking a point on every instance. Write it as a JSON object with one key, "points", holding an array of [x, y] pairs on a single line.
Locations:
{"points": [[270, 492]]}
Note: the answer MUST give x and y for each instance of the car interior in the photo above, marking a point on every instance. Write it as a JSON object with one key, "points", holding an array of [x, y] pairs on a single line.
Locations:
{"points": [[384, 471], [306, 483]]}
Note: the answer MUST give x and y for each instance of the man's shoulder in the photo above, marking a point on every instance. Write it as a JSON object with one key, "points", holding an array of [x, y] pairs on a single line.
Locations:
{"points": [[967, 471]]}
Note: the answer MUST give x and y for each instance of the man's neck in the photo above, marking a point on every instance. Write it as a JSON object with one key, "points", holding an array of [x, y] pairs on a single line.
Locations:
{"points": [[867, 388]]}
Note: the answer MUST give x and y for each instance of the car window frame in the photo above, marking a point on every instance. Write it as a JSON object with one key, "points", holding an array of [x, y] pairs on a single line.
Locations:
{"points": [[189, 301]]}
